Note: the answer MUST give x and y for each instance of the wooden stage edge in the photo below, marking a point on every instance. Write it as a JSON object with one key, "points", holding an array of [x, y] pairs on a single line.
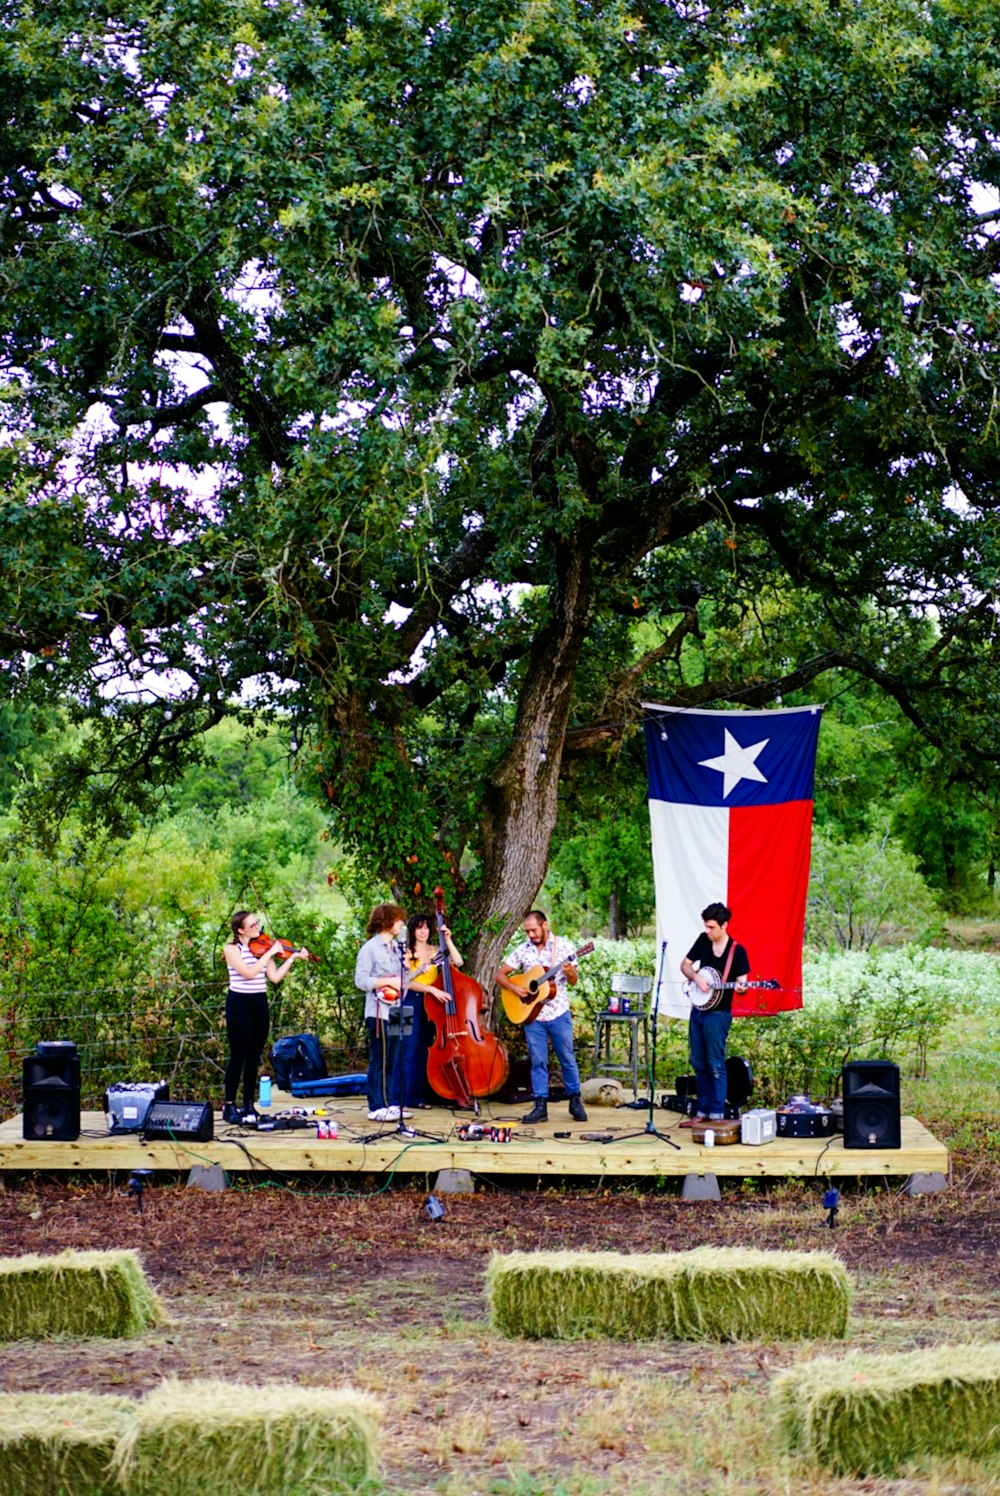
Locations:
{"points": [[364, 1147]]}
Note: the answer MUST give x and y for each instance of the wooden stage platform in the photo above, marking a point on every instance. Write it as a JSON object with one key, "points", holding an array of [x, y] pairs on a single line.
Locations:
{"points": [[620, 1149]]}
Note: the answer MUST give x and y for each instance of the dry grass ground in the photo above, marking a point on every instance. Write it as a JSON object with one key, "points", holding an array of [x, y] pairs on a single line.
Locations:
{"points": [[328, 1288]]}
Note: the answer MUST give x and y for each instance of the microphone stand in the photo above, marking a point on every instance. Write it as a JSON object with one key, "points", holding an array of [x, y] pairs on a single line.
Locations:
{"points": [[407, 1025], [651, 1130]]}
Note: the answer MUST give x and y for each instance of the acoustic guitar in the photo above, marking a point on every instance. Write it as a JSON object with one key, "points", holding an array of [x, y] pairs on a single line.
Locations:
{"points": [[535, 987]]}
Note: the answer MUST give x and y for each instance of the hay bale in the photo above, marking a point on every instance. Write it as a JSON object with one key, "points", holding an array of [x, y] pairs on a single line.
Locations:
{"points": [[192, 1437], [711, 1293], [60, 1442], [76, 1293], [873, 1414]]}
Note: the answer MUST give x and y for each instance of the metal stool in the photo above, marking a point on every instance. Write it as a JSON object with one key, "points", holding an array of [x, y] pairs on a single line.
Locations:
{"points": [[638, 1032]]}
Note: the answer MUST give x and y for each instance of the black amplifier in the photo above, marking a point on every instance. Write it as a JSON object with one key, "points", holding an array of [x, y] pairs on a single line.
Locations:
{"points": [[813, 1124], [179, 1119], [127, 1102]]}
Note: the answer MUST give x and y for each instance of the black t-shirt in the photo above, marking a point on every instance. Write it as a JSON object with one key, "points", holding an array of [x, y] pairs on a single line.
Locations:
{"points": [[701, 954]]}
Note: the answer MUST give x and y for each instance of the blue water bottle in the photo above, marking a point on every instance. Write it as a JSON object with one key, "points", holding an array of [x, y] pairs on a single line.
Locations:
{"points": [[265, 1090]]}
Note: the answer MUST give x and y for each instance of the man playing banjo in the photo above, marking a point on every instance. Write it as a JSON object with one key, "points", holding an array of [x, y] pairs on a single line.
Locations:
{"points": [[716, 966]]}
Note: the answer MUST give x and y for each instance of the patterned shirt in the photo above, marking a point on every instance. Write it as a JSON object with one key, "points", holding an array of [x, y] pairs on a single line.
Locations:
{"points": [[556, 948]]}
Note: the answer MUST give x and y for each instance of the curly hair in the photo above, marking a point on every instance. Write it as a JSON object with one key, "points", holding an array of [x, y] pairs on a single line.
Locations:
{"points": [[383, 917]]}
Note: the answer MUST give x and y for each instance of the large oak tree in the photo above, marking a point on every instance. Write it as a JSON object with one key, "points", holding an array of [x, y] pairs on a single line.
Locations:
{"points": [[431, 368]]}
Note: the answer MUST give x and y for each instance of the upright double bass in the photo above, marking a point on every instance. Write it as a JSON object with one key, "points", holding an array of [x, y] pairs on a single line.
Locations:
{"points": [[466, 1060]]}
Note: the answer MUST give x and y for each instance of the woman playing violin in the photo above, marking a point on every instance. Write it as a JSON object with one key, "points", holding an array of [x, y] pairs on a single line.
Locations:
{"points": [[423, 957], [248, 1017]]}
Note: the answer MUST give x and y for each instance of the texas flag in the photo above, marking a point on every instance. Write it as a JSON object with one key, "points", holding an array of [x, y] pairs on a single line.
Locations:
{"points": [[730, 804]]}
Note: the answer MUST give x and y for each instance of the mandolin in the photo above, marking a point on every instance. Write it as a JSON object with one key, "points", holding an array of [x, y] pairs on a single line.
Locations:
{"points": [[389, 997], [535, 987]]}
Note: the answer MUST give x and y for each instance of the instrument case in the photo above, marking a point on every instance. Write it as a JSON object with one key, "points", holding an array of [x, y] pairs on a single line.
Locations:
{"points": [[726, 1131]]}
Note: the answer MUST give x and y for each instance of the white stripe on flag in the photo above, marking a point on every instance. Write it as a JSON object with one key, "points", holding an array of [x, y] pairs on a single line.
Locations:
{"points": [[690, 871]]}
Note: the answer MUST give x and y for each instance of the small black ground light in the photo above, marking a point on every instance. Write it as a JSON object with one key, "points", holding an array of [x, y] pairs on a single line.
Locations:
{"points": [[137, 1181]]}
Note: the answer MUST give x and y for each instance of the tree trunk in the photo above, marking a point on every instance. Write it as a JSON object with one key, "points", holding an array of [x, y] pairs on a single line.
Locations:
{"points": [[521, 802], [614, 930]]}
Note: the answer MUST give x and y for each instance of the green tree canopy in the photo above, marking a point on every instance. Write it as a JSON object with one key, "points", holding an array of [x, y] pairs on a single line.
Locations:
{"points": [[433, 368]]}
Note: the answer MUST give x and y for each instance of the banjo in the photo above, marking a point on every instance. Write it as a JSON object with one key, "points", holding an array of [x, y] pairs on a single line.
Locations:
{"points": [[710, 999]]}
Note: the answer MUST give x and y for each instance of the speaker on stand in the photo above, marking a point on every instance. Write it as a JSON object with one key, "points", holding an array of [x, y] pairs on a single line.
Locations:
{"points": [[50, 1088], [870, 1090]]}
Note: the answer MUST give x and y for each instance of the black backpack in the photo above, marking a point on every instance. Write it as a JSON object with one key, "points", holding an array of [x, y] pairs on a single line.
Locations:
{"points": [[297, 1057]]}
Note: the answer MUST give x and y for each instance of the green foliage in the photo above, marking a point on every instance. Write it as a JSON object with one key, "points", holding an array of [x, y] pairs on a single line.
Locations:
{"points": [[603, 876], [444, 382], [866, 892], [238, 766]]}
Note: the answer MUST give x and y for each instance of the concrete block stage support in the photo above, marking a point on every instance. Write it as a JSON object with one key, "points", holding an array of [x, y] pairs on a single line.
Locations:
{"points": [[454, 1182], [700, 1187], [925, 1184], [211, 1177]]}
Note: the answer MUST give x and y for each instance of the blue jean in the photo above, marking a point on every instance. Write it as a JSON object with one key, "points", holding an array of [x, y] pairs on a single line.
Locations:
{"points": [[537, 1036], [383, 1065], [707, 1035]]}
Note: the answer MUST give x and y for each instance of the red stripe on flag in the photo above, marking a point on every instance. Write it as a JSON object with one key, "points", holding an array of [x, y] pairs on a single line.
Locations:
{"points": [[769, 848]]}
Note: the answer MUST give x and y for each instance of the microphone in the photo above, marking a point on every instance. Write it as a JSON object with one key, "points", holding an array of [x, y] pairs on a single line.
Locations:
{"points": [[401, 948]]}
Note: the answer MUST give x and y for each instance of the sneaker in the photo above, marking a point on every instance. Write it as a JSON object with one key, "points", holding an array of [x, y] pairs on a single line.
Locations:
{"points": [[249, 1118], [387, 1114], [539, 1112], [576, 1110], [232, 1114]]}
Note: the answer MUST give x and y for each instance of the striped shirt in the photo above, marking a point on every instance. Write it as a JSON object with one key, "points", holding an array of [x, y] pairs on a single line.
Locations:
{"points": [[242, 984]]}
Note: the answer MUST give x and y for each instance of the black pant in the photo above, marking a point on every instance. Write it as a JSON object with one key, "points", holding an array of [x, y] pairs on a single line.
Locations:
{"points": [[248, 1020]]}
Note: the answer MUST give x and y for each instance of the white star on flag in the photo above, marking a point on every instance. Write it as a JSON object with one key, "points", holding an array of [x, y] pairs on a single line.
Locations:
{"points": [[736, 763]]}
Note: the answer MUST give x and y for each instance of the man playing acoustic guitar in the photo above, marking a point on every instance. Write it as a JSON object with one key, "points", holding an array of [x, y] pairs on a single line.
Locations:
{"points": [[708, 1027], [553, 1021]]}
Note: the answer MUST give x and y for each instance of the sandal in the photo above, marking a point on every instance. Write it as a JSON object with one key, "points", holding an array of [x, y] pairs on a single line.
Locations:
{"points": [[694, 1122]]}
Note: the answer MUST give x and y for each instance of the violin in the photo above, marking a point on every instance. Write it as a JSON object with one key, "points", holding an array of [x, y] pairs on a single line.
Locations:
{"points": [[260, 944]]}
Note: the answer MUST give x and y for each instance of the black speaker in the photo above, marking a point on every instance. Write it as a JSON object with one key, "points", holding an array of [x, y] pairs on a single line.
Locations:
{"points": [[50, 1084], [871, 1104]]}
